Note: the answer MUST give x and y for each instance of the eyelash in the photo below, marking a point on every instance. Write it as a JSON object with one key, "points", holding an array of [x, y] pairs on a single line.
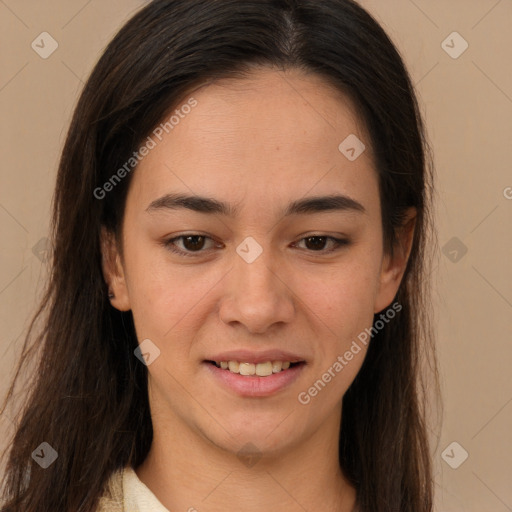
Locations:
{"points": [[169, 244]]}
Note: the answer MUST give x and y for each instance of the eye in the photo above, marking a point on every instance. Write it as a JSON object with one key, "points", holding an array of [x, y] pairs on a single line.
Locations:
{"points": [[193, 244], [316, 242]]}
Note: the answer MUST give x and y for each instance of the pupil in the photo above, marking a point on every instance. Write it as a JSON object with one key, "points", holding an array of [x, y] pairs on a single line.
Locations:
{"points": [[193, 245], [318, 246]]}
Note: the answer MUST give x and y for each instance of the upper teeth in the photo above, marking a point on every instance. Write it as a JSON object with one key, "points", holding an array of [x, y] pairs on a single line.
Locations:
{"points": [[260, 369]]}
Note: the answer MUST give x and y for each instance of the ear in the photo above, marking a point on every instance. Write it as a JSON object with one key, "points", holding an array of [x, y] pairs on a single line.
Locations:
{"points": [[394, 265], [113, 271]]}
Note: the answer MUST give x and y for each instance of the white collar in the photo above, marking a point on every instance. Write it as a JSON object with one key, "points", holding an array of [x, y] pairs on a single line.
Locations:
{"points": [[137, 496]]}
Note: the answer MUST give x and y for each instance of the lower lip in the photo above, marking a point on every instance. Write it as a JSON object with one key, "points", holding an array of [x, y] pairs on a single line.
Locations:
{"points": [[252, 385]]}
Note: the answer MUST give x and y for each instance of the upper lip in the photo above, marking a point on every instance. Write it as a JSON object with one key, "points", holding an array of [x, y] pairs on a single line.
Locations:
{"points": [[249, 356]]}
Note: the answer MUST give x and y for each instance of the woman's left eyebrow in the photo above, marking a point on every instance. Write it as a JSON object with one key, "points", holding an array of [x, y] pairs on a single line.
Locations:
{"points": [[208, 205]]}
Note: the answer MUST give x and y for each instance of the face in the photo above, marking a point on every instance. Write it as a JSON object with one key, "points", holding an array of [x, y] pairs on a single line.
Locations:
{"points": [[268, 276]]}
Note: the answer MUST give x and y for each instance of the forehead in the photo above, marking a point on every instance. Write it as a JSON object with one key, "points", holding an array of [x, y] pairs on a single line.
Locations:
{"points": [[269, 135], [271, 108]]}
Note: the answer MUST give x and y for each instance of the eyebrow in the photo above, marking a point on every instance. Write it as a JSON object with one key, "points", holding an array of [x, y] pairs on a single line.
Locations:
{"points": [[308, 205]]}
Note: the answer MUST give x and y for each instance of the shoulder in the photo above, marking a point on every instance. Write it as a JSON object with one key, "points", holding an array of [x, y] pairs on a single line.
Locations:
{"points": [[124, 492], [111, 499]]}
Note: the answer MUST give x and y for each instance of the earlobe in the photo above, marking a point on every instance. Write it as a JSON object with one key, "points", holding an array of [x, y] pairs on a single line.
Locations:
{"points": [[113, 271], [394, 265]]}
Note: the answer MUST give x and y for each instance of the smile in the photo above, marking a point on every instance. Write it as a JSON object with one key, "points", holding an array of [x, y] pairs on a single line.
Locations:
{"points": [[254, 379], [259, 369]]}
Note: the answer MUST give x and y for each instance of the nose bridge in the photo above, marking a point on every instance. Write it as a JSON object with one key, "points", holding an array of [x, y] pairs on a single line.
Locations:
{"points": [[255, 266], [258, 295]]}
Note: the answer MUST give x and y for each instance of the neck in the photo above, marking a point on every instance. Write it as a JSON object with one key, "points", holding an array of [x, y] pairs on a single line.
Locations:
{"points": [[187, 471]]}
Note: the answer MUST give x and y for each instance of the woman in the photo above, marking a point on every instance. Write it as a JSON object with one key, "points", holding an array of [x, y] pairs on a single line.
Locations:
{"points": [[237, 309]]}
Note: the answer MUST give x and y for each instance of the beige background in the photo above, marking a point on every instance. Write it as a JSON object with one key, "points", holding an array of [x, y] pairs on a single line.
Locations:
{"points": [[467, 103]]}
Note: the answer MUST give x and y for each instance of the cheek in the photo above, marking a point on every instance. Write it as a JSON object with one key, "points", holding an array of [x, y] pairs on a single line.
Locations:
{"points": [[168, 301], [343, 305], [344, 298]]}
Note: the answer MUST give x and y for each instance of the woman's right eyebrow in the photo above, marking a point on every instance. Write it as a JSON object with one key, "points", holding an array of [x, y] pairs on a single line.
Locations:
{"points": [[208, 205]]}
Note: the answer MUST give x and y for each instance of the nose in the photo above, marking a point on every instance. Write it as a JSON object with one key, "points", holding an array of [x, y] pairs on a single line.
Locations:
{"points": [[257, 295]]}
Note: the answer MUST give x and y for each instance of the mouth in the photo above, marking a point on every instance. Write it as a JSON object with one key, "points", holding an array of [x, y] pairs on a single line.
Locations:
{"points": [[265, 369], [255, 379]]}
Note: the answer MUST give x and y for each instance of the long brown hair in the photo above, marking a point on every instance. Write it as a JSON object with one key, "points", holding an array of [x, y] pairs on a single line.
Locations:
{"points": [[88, 396]]}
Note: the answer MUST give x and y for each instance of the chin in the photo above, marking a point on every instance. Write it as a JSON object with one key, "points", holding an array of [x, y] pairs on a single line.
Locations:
{"points": [[269, 434]]}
